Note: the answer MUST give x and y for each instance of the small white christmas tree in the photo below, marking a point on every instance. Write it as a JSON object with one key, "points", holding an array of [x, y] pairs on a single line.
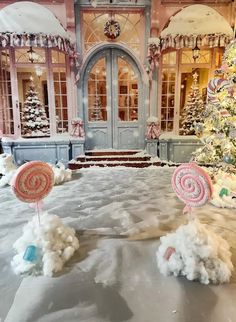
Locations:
{"points": [[193, 110], [97, 113], [34, 122]]}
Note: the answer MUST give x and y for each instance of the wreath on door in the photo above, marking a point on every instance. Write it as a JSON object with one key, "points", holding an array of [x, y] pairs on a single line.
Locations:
{"points": [[112, 29]]}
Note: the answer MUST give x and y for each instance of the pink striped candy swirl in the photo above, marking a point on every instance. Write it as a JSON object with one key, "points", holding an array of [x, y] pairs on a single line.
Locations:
{"points": [[33, 181], [192, 185]]}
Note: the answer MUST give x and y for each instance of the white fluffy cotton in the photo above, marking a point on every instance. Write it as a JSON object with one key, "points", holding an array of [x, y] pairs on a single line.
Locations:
{"points": [[55, 241], [199, 254], [227, 181], [61, 174], [7, 169]]}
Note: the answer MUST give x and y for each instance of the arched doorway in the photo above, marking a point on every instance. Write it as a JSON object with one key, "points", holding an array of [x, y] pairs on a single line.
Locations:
{"points": [[113, 104]]}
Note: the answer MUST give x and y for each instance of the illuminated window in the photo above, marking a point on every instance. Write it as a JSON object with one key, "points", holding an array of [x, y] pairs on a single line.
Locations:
{"points": [[6, 108]]}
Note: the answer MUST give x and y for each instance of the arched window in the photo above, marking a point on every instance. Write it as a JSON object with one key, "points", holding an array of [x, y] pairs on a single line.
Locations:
{"points": [[131, 26]]}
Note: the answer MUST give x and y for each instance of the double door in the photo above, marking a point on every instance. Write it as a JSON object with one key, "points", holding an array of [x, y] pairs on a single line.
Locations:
{"points": [[112, 102]]}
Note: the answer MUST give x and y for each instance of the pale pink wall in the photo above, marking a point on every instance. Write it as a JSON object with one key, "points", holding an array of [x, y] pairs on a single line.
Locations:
{"points": [[161, 14]]}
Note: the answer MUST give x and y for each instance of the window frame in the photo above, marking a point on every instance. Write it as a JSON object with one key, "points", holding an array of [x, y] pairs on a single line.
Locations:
{"points": [[179, 67], [48, 65]]}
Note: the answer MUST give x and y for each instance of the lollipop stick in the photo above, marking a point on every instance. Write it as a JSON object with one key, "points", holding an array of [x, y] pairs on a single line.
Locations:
{"points": [[37, 210]]}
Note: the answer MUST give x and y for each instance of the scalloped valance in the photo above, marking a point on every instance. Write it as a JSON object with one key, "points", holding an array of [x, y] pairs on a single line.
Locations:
{"points": [[157, 45], [191, 41], [36, 40]]}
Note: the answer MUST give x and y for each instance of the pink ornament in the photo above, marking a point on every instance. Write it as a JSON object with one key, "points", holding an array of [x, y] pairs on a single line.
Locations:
{"points": [[192, 185], [33, 181]]}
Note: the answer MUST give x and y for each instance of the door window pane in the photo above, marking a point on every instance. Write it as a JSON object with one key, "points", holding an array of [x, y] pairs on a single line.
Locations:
{"points": [[97, 92], [61, 104], [127, 92], [6, 108]]}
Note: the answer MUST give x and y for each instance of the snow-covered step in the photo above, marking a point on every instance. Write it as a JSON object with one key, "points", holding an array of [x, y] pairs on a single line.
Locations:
{"points": [[73, 165], [113, 158], [112, 152]]}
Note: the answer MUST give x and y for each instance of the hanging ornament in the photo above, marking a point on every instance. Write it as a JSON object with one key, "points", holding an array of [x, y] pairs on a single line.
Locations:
{"points": [[112, 29], [228, 158]]}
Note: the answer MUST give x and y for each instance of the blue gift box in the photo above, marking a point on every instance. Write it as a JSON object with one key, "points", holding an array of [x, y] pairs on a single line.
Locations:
{"points": [[31, 254]]}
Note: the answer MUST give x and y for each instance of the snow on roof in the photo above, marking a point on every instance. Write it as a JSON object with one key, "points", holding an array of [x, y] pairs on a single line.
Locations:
{"points": [[198, 20], [29, 17]]}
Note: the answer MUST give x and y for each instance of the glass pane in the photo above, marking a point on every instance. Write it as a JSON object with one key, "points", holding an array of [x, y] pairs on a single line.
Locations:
{"points": [[58, 57], [130, 25], [6, 112], [33, 98], [168, 99], [22, 55], [127, 92], [187, 57], [169, 58], [191, 94], [97, 99], [60, 89]]}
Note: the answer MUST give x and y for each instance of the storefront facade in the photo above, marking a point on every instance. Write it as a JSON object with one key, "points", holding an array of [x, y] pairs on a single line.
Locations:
{"points": [[96, 64]]}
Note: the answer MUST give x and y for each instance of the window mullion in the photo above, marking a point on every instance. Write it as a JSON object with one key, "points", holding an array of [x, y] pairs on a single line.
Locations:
{"points": [[51, 93]]}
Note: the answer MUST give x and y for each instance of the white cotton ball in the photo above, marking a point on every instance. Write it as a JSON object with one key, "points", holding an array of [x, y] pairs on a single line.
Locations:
{"points": [[52, 263], [68, 253], [55, 241], [197, 253]]}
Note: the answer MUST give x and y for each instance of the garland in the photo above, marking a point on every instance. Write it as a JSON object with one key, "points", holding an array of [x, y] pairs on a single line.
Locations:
{"points": [[112, 29]]}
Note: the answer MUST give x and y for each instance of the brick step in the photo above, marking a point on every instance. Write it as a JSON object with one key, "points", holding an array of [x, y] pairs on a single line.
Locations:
{"points": [[112, 158], [111, 152], [131, 164]]}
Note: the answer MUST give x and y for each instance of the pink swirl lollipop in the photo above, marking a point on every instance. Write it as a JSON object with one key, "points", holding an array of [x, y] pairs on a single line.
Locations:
{"points": [[33, 181], [216, 85], [192, 185]]}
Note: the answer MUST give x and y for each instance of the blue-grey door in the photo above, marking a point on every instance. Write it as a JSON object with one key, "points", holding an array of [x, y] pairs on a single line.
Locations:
{"points": [[112, 102]]}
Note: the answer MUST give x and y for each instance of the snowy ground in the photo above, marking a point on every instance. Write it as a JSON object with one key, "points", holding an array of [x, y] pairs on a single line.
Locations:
{"points": [[119, 215]]}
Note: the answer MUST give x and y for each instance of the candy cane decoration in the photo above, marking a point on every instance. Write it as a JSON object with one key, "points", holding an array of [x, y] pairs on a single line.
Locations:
{"points": [[192, 185], [215, 86]]}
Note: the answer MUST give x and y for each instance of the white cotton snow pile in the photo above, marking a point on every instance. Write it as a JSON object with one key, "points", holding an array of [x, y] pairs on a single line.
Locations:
{"points": [[55, 242], [197, 253], [61, 174], [224, 192], [7, 169]]}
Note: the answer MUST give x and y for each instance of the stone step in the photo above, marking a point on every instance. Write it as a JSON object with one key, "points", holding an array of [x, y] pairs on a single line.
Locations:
{"points": [[74, 165], [99, 158], [111, 152]]}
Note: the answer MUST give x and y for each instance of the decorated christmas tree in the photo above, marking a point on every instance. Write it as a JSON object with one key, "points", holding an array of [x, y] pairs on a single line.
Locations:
{"points": [[219, 127], [33, 117], [193, 111], [97, 113]]}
